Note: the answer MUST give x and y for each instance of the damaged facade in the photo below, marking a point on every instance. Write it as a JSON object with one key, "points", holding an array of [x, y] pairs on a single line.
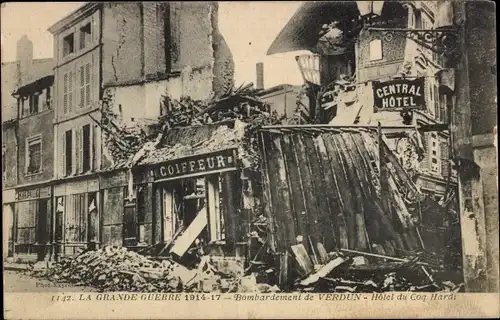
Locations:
{"points": [[116, 61], [349, 63], [400, 65], [27, 165]]}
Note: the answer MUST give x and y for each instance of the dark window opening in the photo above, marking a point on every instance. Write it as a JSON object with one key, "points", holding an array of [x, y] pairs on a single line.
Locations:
{"points": [[68, 152], [86, 148], [34, 157], [85, 36], [34, 100], [68, 44]]}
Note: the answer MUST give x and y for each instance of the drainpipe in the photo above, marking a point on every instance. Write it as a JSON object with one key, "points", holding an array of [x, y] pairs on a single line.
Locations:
{"points": [[471, 206]]}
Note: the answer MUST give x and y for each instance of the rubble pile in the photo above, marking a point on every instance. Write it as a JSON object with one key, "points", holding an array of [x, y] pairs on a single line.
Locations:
{"points": [[118, 269], [359, 273]]}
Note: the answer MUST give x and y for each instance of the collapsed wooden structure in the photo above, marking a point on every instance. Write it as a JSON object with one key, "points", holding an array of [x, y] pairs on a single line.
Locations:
{"points": [[337, 187]]}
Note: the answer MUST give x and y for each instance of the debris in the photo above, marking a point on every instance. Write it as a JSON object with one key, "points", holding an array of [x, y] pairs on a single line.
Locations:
{"points": [[304, 262], [323, 272]]}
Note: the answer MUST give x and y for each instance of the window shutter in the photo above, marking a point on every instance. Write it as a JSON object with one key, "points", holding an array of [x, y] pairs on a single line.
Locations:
{"points": [[445, 158], [424, 165], [65, 94], [70, 91], [78, 150], [81, 76], [74, 151], [62, 160], [87, 84], [91, 147]]}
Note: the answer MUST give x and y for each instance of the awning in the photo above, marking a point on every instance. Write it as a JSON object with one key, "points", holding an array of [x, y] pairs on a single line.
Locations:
{"points": [[302, 31]]}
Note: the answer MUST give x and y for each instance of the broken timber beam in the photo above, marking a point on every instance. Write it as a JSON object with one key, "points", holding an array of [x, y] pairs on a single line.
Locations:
{"points": [[323, 271]]}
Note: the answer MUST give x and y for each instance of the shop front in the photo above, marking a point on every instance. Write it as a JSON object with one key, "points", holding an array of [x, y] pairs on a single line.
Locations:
{"points": [[76, 216], [33, 219], [196, 200]]}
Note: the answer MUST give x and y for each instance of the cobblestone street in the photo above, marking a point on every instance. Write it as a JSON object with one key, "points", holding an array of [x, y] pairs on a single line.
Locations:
{"points": [[15, 281]]}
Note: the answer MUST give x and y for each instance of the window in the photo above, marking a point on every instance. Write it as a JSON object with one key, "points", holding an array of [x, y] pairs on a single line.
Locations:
{"points": [[34, 103], [68, 92], [85, 36], [375, 50], [33, 155], [85, 75], [435, 161], [86, 148], [68, 44], [68, 152]]}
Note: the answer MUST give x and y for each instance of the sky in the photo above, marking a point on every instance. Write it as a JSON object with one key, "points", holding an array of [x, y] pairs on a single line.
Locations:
{"points": [[248, 27]]}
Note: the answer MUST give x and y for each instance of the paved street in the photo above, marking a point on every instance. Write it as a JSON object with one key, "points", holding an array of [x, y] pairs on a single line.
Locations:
{"points": [[18, 282]]}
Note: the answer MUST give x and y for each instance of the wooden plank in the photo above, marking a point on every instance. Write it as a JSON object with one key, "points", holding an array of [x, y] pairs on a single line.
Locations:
{"points": [[266, 185], [355, 188], [280, 178], [323, 271], [343, 186], [323, 254], [310, 196], [304, 262], [296, 187], [283, 273], [183, 243], [338, 209], [322, 191]]}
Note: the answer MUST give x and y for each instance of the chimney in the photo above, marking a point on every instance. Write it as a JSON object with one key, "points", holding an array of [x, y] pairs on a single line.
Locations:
{"points": [[24, 55], [260, 75]]}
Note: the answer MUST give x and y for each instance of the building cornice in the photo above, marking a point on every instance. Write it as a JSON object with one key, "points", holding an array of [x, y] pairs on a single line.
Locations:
{"points": [[83, 11]]}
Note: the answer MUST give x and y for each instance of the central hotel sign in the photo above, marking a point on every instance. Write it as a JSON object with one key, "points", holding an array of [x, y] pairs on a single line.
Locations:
{"points": [[399, 94], [196, 165]]}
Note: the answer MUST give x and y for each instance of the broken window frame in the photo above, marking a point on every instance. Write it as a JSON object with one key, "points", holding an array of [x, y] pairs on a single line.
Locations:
{"points": [[33, 162], [85, 36], [68, 44]]}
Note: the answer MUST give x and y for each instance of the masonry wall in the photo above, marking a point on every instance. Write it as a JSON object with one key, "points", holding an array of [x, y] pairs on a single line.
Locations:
{"points": [[481, 42], [10, 156], [38, 124], [123, 57]]}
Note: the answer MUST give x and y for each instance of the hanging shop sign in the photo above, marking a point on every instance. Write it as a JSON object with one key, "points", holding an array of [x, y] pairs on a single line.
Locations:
{"points": [[198, 165], [399, 94], [31, 194]]}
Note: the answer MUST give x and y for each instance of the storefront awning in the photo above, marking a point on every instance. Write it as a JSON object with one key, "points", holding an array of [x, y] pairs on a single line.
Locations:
{"points": [[302, 31]]}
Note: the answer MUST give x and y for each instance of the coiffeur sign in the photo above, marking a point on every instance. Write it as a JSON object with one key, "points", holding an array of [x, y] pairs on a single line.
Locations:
{"points": [[399, 94], [198, 165]]}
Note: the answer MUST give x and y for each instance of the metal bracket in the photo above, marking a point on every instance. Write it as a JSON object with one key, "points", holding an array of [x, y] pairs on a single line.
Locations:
{"points": [[441, 41]]}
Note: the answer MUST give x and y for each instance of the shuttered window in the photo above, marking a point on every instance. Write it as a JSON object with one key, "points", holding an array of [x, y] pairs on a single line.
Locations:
{"points": [[82, 86], [445, 157], [88, 76], [26, 226], [424, 165], [68, 92], [68, 152]]}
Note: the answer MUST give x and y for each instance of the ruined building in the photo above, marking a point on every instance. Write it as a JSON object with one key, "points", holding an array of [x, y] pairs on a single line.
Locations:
{"points": [[112, 61], [351, 59]]}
